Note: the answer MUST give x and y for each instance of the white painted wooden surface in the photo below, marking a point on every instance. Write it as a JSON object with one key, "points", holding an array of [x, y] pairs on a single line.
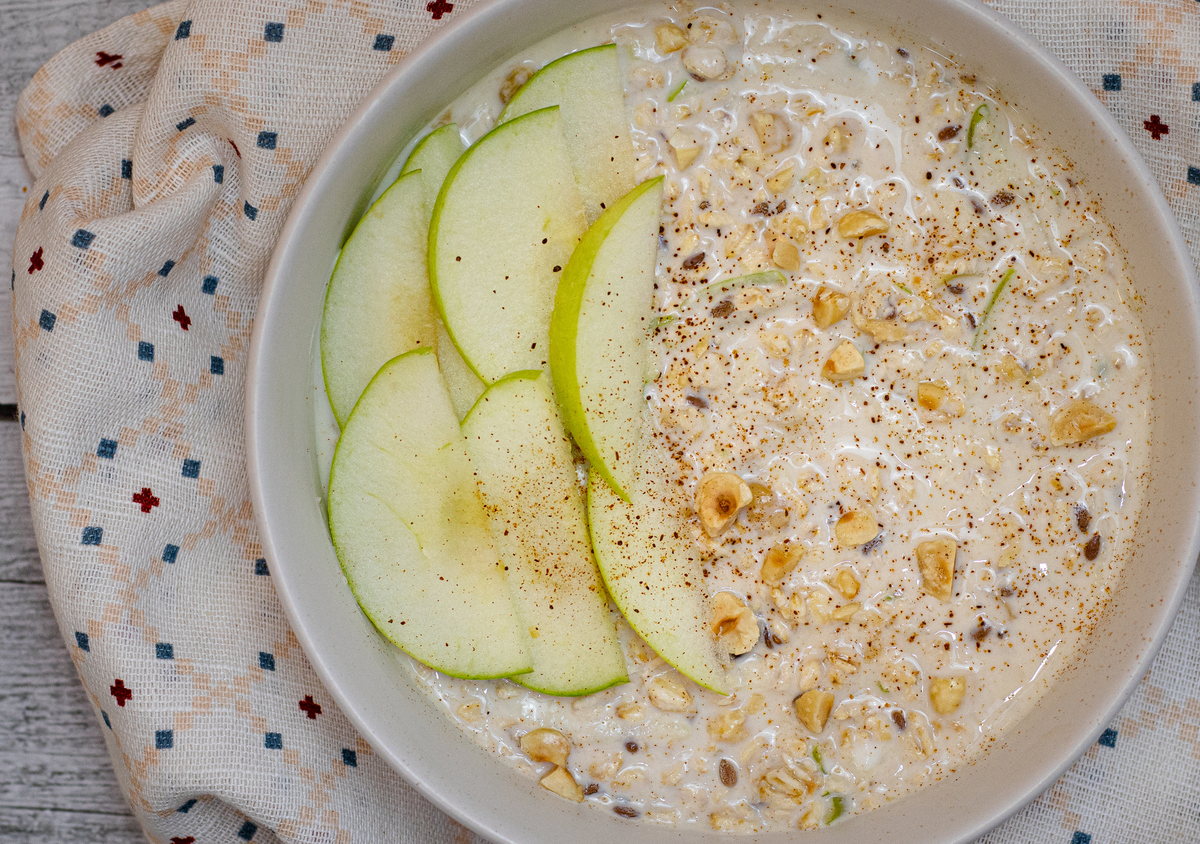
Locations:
{"points": [[56, 781]]}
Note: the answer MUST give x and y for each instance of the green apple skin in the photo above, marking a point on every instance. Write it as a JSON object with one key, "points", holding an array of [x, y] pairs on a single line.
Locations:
{"points": [[378, 303], [526, 472], [600, 330], [587, 87], [504, 225], [411, 532], [434, 155], [653, 571]]}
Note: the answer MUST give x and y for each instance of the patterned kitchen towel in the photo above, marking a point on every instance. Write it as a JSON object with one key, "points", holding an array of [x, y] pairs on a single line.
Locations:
{"points": [[167, 150]]}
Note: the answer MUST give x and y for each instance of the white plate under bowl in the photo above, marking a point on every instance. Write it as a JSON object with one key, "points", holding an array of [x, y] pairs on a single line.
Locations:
{"points": [[365, 674]]}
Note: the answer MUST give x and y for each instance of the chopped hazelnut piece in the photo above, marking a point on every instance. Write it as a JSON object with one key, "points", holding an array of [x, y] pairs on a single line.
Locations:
{"points": [[861, 224], [829, 306], [779, 563], [846, 583], [785, 255], [1079, 421], [704, 61], [669, 38], [686, 147], [931, 395], [546, 745], [935, 557], [857, 527], [845, 363], [563, 784], [720, 498], [946, 694], [733, 623], [668, 694], [813, 708]]}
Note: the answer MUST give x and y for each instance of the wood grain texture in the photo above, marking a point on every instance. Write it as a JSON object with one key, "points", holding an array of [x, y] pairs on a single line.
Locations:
{"points": [[56, 780], [52, 749], [39, 826], [19, 562]]}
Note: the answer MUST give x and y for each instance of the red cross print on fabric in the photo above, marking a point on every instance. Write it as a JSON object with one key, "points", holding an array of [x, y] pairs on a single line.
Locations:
{"points": [[103, 58], [311, 708], [1156, 127], [181, 317], [437, 8], [118, 691], [35, 261], [146, 498]]}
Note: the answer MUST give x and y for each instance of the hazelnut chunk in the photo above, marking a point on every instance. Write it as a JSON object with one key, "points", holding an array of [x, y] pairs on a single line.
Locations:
{"points": [[931, 395], [563, 784], [669, 38], [720, 498], [779, 563], [704, 61], [1078, 421], [857, 527], [546, 745], [845, 363], [829, 306], [785, 254], [774, 133], [669, 694], [813, 708], [733, 623], [861, 224], [946, 694], [846, 583], [935, 557], [686, 146]]}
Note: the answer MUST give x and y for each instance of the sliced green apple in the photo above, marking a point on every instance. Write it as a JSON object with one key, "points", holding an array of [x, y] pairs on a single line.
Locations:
{"points": [[434, 155], [599, 331], [464, 385], [526, 471], [378, 303], [506, 220], [411, 532], [587, 86], [652, 569]]}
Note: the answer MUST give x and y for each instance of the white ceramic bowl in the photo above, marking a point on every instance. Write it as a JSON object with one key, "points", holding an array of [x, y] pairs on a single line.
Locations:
{"points": [[364, 673]]}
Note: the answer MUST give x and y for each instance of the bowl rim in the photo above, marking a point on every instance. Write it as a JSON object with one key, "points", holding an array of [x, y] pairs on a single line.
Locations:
{"points": [[490, 14]]}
